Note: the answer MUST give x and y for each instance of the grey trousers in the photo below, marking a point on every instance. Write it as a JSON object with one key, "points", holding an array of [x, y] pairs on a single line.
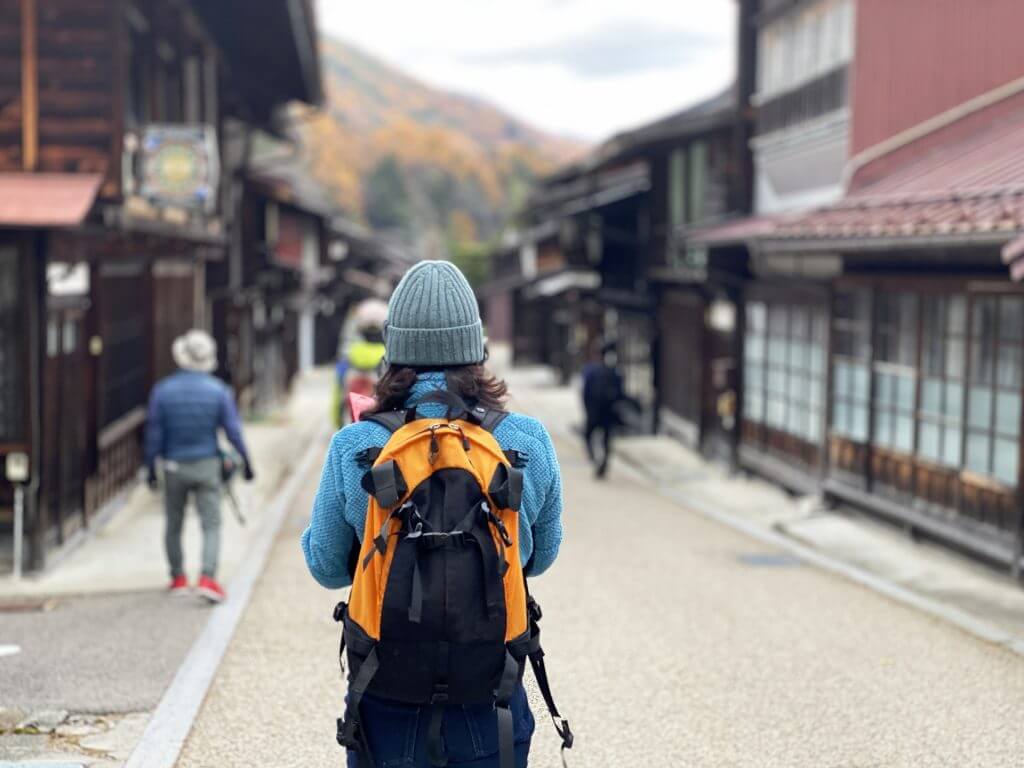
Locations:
{"points": [[200, 478]]}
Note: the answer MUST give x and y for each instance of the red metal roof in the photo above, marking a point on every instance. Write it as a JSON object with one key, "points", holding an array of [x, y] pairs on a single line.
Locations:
{"points": [[970, 188], [46, 199], [974, 186]]}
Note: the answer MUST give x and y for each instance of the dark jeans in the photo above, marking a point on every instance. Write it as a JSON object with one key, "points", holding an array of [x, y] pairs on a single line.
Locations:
{"points": [[398, 734], [606, 426]]}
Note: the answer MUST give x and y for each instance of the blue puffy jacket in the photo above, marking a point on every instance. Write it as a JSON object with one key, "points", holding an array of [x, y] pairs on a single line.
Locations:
{"points": [[185, 411]]}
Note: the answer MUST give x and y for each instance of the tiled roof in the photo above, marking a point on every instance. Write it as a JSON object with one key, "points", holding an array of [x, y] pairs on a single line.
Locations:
{"points": [[969, 189]]}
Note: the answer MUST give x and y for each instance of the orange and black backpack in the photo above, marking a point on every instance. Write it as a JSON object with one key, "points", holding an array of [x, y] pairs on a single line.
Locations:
{"points": [[439, 612]]}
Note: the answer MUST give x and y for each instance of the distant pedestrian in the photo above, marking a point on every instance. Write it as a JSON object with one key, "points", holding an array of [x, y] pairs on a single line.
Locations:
{"points": [[604, 397], [437, 627], [362, 357], [186, 410]]}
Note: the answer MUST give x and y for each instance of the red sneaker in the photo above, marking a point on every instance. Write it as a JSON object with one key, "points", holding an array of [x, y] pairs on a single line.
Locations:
{"points": [[210, 589], [179, 586]]}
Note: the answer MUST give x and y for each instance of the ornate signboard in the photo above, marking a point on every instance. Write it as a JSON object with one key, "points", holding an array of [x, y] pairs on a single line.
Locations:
{"points": [[180, 166]]}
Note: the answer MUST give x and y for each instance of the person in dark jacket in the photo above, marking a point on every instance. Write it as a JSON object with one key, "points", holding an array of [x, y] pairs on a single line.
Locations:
{"points": [[186, 410], [604, 396]]}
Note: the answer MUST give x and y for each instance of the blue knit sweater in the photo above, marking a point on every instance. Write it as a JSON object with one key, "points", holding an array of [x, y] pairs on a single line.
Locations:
{"points": [[339, 510]]}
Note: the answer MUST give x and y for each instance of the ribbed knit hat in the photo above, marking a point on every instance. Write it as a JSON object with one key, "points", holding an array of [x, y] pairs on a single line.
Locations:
{"points": [[433, 318]]}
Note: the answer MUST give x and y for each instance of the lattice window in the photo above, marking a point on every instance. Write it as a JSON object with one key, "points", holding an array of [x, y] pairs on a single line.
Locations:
{"points": [[943, 355], [895, 370], [994, 387]]}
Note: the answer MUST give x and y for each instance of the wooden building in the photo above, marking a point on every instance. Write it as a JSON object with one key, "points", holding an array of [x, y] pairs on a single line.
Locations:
{"points": [[883, 331], [123, 129], [604, 255]]}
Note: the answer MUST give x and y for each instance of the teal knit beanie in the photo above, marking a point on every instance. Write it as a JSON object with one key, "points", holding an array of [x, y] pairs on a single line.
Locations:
{"points": [[433, 318]]}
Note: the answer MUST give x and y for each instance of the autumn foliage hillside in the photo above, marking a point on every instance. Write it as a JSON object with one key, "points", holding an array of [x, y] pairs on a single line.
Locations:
{"points": [[437, 168]]}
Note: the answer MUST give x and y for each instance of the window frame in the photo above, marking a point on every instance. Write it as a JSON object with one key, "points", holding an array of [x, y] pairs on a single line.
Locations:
{"points": [[801, 388], [888, 369], [850, 363], [992, 433]]}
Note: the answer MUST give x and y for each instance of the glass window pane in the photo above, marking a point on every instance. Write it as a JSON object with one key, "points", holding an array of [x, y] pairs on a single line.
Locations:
{"points": [[754, 406], [756, 312], [954, 358], [798, 357], [819, 327], [860, 389], [979, 407], [796, 419], [883, 428], [817, 360], [755, 378], [905, 392], [928, 440], [859, 426], [1011, 318], [956, 315], [903, 434], [1008, 367], [931, 396], [1005, 460], [953, 408], [951, 446], [981, 360], [882, 389], [977, 452], [840, 379], [1008, 413], [841, 418]]}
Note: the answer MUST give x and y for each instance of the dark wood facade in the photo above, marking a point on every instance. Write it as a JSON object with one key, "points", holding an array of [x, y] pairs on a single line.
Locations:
{"points": [[102, 297]]}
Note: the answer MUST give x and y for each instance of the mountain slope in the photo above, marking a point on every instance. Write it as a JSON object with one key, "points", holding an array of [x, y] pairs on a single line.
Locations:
{"points": [[441, 169]]}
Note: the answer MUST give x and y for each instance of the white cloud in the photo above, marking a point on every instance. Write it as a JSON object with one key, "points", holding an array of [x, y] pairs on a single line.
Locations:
{"points": [[580, 67]]}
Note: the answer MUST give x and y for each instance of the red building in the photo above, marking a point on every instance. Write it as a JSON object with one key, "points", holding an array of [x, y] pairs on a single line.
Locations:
{"points": [[890, 316]]}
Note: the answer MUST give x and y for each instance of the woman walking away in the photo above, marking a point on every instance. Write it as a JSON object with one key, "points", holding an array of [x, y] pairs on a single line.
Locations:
{"points": [[435, 507]]}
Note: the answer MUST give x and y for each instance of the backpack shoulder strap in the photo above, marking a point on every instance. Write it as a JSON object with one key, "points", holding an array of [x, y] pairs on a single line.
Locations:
{"points": [[392, 421], [488, 419]]}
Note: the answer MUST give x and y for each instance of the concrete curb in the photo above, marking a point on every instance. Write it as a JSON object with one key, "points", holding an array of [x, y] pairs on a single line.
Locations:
{"points": [[172, 721], [979, 628]]}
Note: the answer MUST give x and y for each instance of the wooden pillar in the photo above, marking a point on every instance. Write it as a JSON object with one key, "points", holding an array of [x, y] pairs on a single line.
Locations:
{"points": [[29, 86]]}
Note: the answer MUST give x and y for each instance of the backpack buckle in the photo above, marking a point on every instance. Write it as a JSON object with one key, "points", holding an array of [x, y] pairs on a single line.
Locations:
{"points": [[533, 610], [339, 611]]}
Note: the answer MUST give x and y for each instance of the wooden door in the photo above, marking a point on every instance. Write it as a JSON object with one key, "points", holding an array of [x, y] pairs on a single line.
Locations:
{"points": [[64, 421], [720, 379]]}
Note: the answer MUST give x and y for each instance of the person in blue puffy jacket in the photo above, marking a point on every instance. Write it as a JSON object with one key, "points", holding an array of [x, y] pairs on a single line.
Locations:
{"points": [[186, 411], [434, 341]]}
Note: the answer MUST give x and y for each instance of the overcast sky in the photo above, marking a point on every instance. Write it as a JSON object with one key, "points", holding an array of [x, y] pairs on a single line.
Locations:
{"points": [[585, 68]]}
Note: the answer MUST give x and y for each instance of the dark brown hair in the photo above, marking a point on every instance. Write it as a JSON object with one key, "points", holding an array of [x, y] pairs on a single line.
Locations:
{"points": [[473, 383]]}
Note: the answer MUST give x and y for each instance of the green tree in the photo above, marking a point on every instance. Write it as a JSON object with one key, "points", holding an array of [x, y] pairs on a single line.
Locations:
{"points": [[386, 198]]}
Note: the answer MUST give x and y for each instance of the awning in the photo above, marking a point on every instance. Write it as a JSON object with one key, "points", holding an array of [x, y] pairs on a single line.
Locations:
{"points": [[46, 199]]}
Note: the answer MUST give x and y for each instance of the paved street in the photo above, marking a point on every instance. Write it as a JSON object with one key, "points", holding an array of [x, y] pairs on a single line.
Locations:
{"points": [[671, 641]]}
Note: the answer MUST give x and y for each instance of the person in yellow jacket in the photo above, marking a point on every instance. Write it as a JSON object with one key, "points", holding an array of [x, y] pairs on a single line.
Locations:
{"points": [[362, 357]]}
